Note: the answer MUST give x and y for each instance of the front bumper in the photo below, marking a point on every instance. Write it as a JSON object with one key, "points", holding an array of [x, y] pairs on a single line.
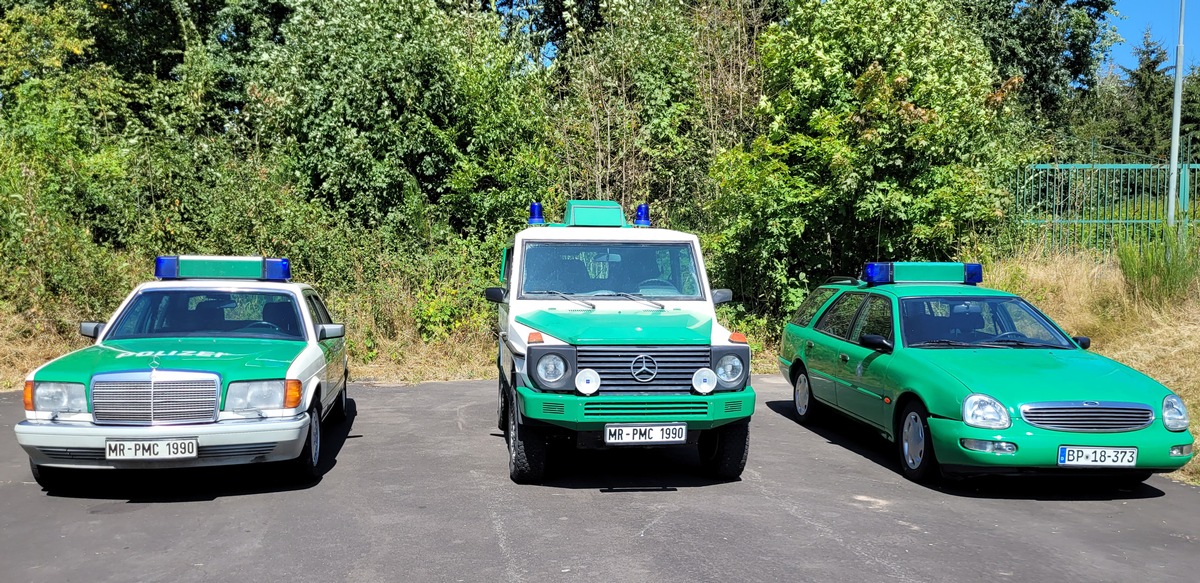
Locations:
{"points": [[1037, 449], [580, 413], [82, 445]]}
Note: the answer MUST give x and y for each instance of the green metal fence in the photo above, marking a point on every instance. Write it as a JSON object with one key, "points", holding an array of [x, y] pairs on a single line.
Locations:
{"points": [[1061, 206]]}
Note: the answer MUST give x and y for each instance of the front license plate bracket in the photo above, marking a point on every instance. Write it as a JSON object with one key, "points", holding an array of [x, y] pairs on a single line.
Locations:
{"points": [[645, 433]]}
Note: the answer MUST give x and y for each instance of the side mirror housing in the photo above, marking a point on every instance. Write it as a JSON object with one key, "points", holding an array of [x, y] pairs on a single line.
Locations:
{"points": [[330, 331], [1083, 341], [876, 342], [496, 295], [722, 295], [91, 329]]}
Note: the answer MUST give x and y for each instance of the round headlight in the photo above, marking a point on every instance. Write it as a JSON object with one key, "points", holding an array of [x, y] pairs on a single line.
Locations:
{"points": [[1175, 413], [50, 397], [985, 412], [587, 382], [729, 368], [704, 381], [551, 368]]}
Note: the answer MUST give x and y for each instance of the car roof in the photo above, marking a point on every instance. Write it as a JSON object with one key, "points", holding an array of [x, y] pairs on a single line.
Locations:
{"points": [[924, 289], [225, 284]]}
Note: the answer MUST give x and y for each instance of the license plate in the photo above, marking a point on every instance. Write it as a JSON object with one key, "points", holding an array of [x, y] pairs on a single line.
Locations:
{"points": [[1097, 456], [644, 433], [150, 449]]}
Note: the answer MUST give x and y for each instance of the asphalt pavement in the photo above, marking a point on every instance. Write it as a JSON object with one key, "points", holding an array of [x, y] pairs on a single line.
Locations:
{"points": [[417, 489]]}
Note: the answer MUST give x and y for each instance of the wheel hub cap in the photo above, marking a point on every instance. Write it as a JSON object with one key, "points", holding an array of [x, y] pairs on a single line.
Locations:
{"points": [[801, 394], [913, 440]]}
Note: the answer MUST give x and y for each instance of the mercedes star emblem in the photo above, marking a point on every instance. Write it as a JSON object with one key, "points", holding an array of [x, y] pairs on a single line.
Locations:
{"points": [[643, 368]]}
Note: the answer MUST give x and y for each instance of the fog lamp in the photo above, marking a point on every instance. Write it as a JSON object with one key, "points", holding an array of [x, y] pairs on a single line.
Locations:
{"points": [[985, 446], [1181, 450]]}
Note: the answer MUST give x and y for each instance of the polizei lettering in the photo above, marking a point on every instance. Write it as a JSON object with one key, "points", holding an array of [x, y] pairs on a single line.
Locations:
{"points": [[197, 353]]}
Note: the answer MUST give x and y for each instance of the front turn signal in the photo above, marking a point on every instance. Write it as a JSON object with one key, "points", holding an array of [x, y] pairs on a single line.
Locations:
{"points": [[294, 391], [29, 395], [738, 337]]}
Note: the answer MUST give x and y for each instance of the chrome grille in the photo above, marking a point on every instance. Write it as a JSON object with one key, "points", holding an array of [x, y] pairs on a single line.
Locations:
{"points": [[236, 450], [1088, 416], [161, 398], [675, 364]]}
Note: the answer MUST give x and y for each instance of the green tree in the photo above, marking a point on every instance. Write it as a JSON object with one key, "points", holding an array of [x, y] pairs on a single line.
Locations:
{"points": [[1146, 123], [883, 134]]}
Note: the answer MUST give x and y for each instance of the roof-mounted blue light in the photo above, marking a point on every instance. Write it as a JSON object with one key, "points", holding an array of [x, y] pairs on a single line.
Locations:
{"points": [[277, 268], [642, 219], [166, 267], [535, 214], [972, 273], [877, 272]]}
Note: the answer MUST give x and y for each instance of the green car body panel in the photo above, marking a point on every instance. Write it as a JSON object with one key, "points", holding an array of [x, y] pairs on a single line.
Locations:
{"points": [[636, 327], [873, 386]]}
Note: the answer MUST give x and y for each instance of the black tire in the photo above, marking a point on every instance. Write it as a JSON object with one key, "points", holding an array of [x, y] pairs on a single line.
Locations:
{"points": [[526, 451], [914, 444], [805, 406], [307, 466], [338, 413], [49, 479], [723, 451]]}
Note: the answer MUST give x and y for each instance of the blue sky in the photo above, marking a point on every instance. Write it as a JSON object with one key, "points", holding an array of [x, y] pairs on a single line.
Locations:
{"points": [[1162, 16]]}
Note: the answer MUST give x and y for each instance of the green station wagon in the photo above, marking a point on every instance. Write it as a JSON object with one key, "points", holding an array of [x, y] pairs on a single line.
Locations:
{"points": [[969, 380]]}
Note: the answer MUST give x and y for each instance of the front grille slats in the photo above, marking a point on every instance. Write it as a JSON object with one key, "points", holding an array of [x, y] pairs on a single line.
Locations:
{"points": [[1097, 417], [675, 367], [137, 399], [682, 409]]}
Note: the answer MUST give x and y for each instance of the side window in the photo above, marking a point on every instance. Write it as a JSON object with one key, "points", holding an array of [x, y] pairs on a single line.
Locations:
{"points": [[837, 319], [808, 308], [506, 267], [876, 319], [325, 317], [313, 311]]}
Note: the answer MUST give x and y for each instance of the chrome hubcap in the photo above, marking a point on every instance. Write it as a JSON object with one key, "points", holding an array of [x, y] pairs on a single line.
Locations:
{"points": [[913, 441], [801, 394]]}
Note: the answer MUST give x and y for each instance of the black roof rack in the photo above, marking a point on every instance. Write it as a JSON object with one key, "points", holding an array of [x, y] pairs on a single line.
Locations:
{"points": [[841, 279]]}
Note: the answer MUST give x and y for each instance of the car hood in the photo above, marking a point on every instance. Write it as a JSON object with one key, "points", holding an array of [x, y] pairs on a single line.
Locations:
{"points": [[625, 327], [232, 358], [1024, 375]]}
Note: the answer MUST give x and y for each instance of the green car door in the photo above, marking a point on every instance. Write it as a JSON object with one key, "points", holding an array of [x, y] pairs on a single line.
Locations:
{"points": [[860, 390], [827, 358]]}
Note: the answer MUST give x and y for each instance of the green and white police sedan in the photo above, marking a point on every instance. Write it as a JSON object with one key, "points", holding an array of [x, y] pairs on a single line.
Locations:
{"points": [[221, 361]]}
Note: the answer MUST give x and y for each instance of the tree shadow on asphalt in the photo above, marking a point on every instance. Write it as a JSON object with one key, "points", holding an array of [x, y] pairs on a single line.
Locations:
{"points": [[204, 484], [865, 441]]}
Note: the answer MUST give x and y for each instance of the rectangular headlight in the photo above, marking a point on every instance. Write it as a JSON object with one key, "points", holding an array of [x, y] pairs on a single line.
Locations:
{"points": [[59, 397], [245, 395]]}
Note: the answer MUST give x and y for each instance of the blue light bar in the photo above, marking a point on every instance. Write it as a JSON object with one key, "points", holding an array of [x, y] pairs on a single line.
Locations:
{"points": [[166, 266], [277, 268], [643, 215], [876, 272], [972, 273], [535, 214]]}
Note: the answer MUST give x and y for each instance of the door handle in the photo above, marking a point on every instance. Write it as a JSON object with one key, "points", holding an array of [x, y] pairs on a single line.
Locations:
{"points": [[844, 357]]}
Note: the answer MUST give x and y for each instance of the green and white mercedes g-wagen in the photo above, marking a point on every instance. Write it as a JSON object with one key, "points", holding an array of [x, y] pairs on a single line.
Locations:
{"points": [[608, 338]]}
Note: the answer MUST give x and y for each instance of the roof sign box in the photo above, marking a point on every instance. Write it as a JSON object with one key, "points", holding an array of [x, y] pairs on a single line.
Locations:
{"points": [[875, 273], [218, 267], [594, 213]]}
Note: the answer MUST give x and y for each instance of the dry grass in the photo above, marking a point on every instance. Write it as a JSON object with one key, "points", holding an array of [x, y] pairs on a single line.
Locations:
{"points": [[27, 343], [1088, 296]]}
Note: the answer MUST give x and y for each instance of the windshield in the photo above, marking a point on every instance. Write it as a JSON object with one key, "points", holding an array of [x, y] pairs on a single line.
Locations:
{"points": [[986, 322], [610, 270], [209, 313]]}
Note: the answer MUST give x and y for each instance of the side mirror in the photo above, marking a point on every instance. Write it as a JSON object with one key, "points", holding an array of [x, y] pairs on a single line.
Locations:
{"points": [[91, 329], [330, 331], [876, 342], [1083, 341], [496, 295], [721, 296]]}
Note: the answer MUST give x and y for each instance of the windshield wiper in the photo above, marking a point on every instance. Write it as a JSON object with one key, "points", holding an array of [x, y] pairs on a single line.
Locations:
{"points": [[941, 342], [1022, 343], [636, 297], [564, 296]]}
